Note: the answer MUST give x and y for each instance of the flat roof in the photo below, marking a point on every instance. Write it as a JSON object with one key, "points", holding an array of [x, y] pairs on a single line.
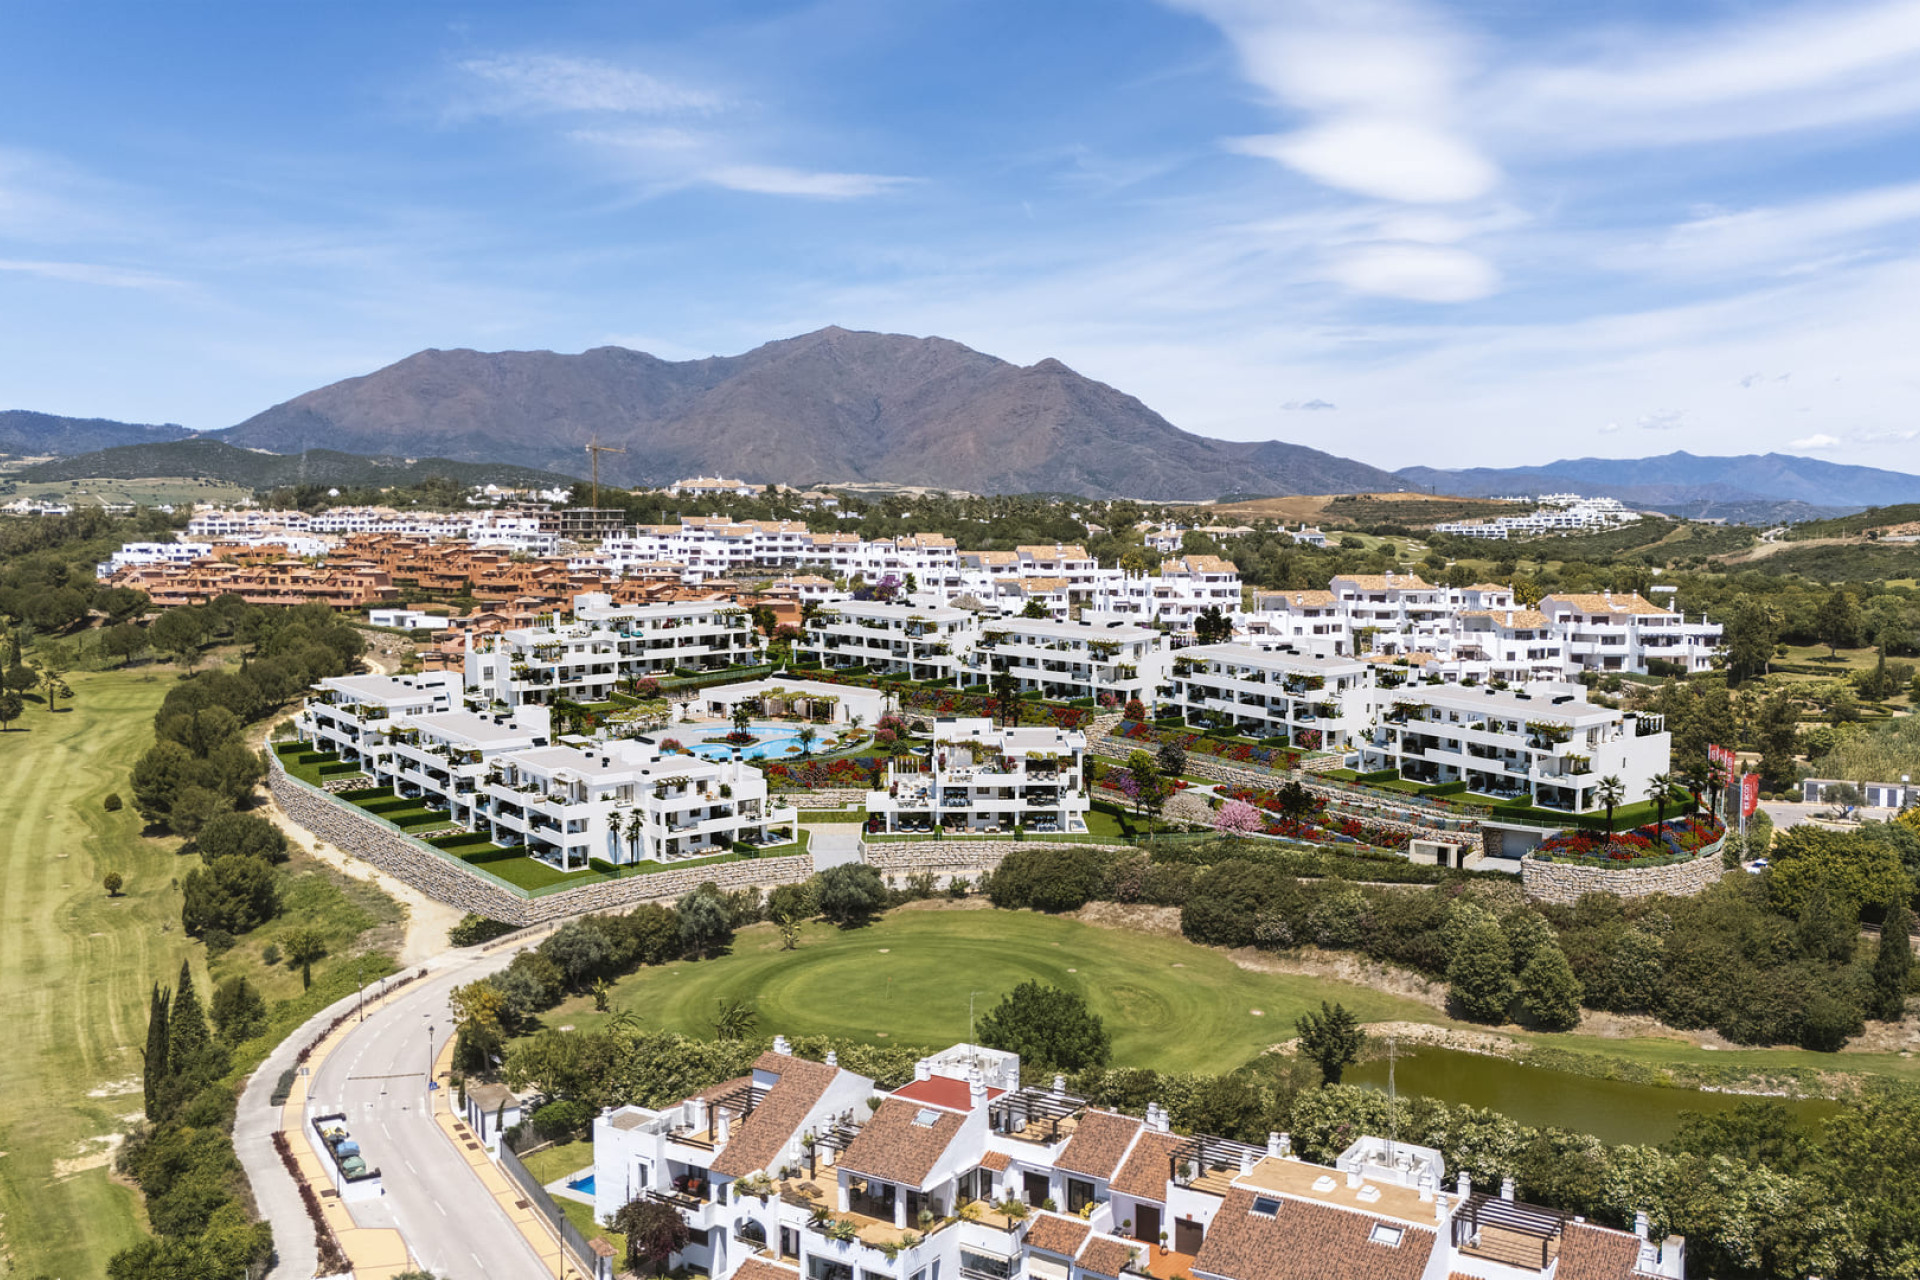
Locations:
{"points": [[1538, 706], [479, 730], [1297, 1177], [1075, 630], [395, 688], [1279, 657]]}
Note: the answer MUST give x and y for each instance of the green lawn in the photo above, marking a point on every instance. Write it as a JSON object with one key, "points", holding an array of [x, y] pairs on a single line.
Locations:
{"points": [[78, 967], [906, 980]]}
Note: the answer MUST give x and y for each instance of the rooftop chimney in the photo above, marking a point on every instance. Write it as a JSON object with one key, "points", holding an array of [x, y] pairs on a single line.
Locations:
{"points": [[722, 1126], [1059, 1085], [1246, 1161], [833, 1058], [1463, 1185], [1426, 1182], [923, 1070], [781, 1046], [1440, 1207], [697, 1113], [1640, 1224], [1506, 1188]]}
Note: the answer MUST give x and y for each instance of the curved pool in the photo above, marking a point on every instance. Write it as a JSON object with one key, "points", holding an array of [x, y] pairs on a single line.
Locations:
{"points": [[776, 742]]}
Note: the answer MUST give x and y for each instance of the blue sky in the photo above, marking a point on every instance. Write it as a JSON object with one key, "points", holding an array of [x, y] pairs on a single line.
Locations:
{"points": [[1468, 234]]}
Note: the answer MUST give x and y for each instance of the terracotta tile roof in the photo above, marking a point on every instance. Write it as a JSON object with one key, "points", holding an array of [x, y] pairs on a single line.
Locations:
{"points": [[724, 1088], [1591, 1253], [1148, 1167], [1063, 551], [1385, 581], [1204, 564], [1487, 586], [1306, 1241], [1057, 1234], [761, 1269], [1099, 1143], [1631, 602], [1510, 617], [758, 1140], [991, 557], [1293, 599], [1040, 586], [895, 1147], [1105, 1256], [996, 1161]]}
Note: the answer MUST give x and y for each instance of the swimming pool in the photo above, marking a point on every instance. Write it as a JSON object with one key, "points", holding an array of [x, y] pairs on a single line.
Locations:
{"points": [[776, 742], [583, 1185]]}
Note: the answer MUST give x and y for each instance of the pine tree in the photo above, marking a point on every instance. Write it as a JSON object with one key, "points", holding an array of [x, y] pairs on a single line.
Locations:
{"points": [[1331, 1038], [154, 1077], [1893, 965], [1481, 973], [1549, 992]]}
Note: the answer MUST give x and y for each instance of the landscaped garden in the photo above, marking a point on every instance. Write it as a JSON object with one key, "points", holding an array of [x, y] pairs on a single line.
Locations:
{"points": [[1675, 840]]}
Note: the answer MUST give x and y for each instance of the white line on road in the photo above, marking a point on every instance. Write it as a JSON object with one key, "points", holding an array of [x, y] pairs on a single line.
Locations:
{"points": [[409, 1165], [442, 1208]]}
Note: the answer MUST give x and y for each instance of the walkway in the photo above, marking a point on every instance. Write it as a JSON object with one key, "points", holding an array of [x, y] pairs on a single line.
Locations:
{"points": [[833, 843]]}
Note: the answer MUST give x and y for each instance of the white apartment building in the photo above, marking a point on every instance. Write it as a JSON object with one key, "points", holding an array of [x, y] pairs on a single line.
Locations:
{"points": [[902, 1186], [711, 486], [1608, 632], [1558, 513], [1544, 741], [503, 776], [920, 643], [584, 659], [1068, 660], [1313, 622], [143, 553], [983, 777], [1315, 703]]}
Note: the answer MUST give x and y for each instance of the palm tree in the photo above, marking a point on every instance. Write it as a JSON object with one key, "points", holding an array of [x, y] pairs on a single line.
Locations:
{"points": [[1659, 787], [635, 824], [806, 737], [1610, 793]]}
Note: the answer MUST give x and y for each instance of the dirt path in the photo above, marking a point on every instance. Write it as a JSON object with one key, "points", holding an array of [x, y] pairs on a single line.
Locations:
{"points": [[1766, 549]]}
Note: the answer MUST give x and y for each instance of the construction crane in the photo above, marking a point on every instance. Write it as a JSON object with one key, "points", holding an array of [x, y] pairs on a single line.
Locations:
{"points": [[594, 450]]}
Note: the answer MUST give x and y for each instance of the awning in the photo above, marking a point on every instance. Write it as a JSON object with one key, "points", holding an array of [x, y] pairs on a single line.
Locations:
{"points": [[1044, 1269]]}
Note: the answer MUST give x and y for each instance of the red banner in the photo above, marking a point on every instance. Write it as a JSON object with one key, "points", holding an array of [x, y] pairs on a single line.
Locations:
{"points": [[1749, 794], [1723, 759]]}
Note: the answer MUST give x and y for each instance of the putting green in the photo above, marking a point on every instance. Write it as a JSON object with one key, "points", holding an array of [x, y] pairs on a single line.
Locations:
{"points": [[907, 978]]}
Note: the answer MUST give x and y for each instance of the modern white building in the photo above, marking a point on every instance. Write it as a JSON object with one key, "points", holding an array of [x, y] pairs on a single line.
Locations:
{"points": [[920, 643], [144, 553], [1069, 660], [407, 619], [1315, 703], [584, 660], [1608, 632], [1544, 741], [503, 776], [983, 777]]}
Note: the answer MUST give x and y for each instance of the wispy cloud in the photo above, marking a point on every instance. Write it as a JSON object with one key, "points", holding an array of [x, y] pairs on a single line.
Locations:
{"points": [[1309, 406], [536, 83], [1420, 273], [1662, 420], [92, 273], [775, 180], [1818, 441]]}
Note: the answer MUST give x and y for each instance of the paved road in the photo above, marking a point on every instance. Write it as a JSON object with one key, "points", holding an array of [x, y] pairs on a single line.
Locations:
{"points": [[378, 1077]]}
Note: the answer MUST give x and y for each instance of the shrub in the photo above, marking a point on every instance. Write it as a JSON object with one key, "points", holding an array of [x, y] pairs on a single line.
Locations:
{"points": [[1048, 879], [112, 802]]}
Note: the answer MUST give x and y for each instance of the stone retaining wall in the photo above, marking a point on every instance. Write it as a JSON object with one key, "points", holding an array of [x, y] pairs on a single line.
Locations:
{"points": [[1564, 882], [443, 879], [825, 798], [950, 858]]}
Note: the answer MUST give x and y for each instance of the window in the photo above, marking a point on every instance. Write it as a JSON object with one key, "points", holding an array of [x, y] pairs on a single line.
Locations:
{"points": [[1265, 1206], [981, 1265], [819, 1268], [1079, 1195], [1382, 1233]]}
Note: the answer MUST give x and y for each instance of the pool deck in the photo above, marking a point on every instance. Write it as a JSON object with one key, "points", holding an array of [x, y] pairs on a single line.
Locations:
{"points": [[559, 1188]]}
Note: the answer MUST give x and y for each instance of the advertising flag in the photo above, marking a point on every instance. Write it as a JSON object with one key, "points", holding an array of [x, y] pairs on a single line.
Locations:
{"points": [[1749, 794]]}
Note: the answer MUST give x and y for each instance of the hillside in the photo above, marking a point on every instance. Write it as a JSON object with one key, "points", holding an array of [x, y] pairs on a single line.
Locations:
{"points": [[827, 406], [1687, 484], [214, 460], [29, 434]]}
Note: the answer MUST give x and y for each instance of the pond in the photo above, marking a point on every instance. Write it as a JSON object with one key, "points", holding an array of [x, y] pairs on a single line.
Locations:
{"points": [[1613, 1110]]}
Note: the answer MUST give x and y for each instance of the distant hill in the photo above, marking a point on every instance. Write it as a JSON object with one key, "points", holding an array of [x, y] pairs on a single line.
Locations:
{"points": [[217, 460], [1684, 483], [23, 432], [827, 406]]}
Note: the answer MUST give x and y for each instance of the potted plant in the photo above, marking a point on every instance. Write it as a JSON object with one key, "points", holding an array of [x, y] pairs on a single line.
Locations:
{"points": [[1163, 1244]]}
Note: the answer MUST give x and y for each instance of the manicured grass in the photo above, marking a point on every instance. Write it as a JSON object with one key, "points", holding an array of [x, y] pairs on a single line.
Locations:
{"points": [[906, 979], [531, 873], [78, 967], [550, 1163]]}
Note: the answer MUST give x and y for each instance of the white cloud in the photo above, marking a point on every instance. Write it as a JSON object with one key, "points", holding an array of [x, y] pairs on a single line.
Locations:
{"points": [[1392, 159], [1309, 406], [1610, 429], [1379, 80], [538, 83], [91, 273], [1662, 420], [1781, 237], [776, 180], [1820, 441], [1815, 65], [1420, 273]]}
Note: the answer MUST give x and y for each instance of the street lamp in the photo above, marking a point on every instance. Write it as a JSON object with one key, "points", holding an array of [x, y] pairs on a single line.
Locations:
{"points": [[1905, 800], [430, 1083]]}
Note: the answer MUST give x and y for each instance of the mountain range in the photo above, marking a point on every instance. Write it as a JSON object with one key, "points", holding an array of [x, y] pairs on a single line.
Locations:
{"points": [[837, 406]]}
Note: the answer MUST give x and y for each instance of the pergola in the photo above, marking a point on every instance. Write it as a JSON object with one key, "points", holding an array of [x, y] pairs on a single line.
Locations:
{"points": [[1028, 1105]]}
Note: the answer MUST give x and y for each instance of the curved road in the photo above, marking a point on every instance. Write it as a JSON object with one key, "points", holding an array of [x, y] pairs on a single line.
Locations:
{"points": [[378, 1076]]}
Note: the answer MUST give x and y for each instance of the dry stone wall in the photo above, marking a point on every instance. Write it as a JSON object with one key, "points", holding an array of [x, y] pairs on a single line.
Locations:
{"points": [[446, 880], [950, 858], [1565, 882]]}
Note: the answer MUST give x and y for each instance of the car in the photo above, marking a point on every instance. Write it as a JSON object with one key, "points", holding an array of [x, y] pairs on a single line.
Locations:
{"points": [[1758, 865]]}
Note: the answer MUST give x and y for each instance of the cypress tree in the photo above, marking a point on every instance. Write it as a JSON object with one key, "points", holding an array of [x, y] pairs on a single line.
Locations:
{"points": [[154, 1076], [1549, 991], [1893, 965], [187, 1032]]}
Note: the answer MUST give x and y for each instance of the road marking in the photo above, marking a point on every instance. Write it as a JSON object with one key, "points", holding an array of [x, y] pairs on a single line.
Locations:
{"points": [[409, 1165], [443, 1212]]}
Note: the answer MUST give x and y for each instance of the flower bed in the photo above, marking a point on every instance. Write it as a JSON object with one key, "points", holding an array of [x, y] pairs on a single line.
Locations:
{"points": [[1200, 744], [861, 773], [1320, 826], [1674, 840]]}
